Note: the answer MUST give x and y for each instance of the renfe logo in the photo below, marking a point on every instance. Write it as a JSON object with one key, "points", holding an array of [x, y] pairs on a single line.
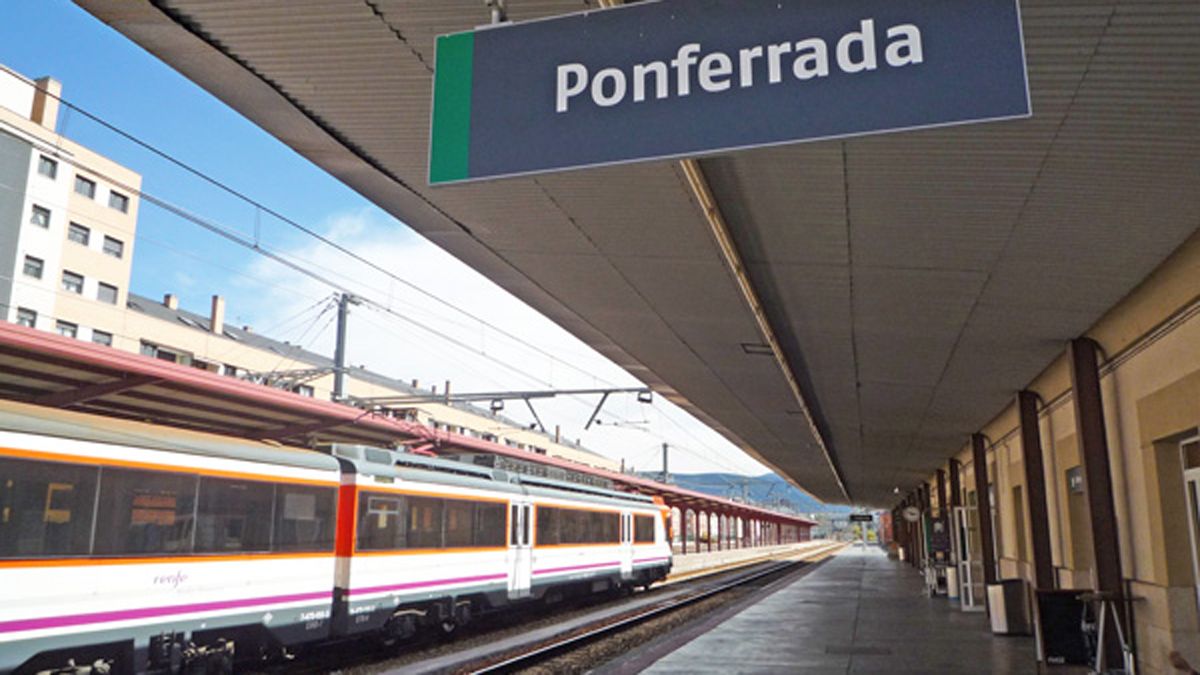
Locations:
{"points": [[717, 71]]}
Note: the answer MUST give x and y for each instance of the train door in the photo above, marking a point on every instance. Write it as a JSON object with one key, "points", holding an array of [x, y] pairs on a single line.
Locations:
{"points": [[520, 549], [626, 546]]}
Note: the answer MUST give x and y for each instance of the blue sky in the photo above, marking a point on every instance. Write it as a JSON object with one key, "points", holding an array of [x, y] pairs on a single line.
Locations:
{"points": [[115, 80]]}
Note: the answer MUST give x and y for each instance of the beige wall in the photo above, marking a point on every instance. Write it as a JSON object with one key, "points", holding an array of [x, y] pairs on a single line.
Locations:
{"points": [[1151, 389]]}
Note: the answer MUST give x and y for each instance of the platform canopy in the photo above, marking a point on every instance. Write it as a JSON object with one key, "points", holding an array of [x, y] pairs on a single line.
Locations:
{"points": [[912, 282]]}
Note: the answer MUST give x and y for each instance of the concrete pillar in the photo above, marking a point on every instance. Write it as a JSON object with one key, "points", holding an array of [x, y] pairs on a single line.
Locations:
{"points": [[984, 503], [1083, 355], [1035, 489]]}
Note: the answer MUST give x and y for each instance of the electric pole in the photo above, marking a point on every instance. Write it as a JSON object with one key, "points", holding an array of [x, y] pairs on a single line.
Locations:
{"points": [[339, 353]]}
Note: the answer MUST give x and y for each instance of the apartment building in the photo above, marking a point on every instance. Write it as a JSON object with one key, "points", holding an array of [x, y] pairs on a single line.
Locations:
{"points": [[68, 217]]}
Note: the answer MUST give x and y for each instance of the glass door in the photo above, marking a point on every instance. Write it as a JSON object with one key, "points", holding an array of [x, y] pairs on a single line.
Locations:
{"points": [[1190, 450]]}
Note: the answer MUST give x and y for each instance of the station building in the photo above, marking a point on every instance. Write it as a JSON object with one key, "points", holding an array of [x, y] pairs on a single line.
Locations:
{"points": [[68, 220]]}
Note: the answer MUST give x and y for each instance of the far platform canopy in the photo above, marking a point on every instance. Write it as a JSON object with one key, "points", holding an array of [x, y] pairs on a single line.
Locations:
{"points": [[914, 281]]}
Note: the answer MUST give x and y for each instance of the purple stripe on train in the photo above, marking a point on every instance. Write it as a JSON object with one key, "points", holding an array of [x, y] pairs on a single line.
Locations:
{"points": [[423, 584], [650, 560], [155, 612], [552, 570]]}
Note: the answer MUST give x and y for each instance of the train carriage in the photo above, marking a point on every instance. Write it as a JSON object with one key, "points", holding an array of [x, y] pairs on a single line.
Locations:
{"points": [[136, 541], [147, 549]]}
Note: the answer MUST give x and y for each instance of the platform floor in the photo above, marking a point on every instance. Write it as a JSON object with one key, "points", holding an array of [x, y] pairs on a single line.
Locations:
{"points": [[859, 612]]}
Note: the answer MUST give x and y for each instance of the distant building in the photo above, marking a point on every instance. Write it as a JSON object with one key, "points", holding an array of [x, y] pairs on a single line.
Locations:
{"points": [[68, 217]]}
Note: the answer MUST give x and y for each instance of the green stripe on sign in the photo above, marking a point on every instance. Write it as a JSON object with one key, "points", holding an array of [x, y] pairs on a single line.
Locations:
{"points": [[450, 145]]}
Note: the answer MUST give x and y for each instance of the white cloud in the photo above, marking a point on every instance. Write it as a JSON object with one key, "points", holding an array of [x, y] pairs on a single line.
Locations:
{"points": [[406, 341]]}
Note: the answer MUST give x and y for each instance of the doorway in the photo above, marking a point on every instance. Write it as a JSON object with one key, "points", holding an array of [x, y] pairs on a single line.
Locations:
{"points": [[1190, 450]]}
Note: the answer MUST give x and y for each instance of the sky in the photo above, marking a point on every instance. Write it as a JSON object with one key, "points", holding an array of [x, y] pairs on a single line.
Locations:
{"points": [[405, 332]]}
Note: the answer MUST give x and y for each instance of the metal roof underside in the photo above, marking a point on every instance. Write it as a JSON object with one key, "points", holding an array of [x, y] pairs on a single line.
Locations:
{"points": [[916, 280], [60, 373]]}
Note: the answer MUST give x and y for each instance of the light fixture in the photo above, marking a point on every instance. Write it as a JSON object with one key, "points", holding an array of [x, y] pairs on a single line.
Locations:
{"points": [[497, 404], [645, 396]]}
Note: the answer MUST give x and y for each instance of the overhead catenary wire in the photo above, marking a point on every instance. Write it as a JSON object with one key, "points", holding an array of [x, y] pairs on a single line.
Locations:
{"points": [[291, 262], [221, 185]]}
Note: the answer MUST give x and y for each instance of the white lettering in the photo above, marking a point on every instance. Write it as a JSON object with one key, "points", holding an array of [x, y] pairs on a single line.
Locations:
{"points": [[856, 52], [567, 89], [774, 53], [910, 40], [812, 59], [715, 70], [746, 65], [618, 87], [659, 69], [682, 63], [865, 39]]}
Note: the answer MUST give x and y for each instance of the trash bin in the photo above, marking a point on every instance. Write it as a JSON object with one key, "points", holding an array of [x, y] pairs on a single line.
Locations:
{"points": [[1008, 605]]}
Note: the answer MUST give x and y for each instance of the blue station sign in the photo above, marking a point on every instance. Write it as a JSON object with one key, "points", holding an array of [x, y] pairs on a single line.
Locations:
{"points": [[676, 78]]}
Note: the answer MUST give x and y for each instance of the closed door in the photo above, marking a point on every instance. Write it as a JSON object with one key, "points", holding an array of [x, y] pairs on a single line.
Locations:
{"points": [[626, 545], [520, 550]]}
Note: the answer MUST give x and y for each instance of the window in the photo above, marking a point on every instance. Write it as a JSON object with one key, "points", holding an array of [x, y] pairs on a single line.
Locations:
{"points": [[45, 508], [26, 317], [106, 293], [39, 216], [304, 518], [381, 522], [424, 522], [47, 167], [66, 328], [304, 390], [114, 247], [33, 267], [388, 521], [118, 201], [145, 512], [102, 338], [571, 526], [230, 516], [79, 234], [85, 187], [643, 529], [72, 282]]}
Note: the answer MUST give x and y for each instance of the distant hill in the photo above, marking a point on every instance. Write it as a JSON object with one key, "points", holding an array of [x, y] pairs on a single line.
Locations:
{"points": [[767, 490]]}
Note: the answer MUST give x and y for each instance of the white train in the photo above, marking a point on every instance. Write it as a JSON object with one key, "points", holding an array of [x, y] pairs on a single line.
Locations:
{"points": [[131, 548]]}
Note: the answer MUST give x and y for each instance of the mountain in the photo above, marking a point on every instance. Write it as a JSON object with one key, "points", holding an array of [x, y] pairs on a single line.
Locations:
{"points": [[767, 490]]}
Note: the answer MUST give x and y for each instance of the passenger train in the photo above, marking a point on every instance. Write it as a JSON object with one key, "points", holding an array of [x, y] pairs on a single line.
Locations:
{"points": [[131, 548]]}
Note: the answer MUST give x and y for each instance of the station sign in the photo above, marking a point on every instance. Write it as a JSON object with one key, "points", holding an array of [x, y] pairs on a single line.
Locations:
{"points": [[861, 518], [678, 78]]}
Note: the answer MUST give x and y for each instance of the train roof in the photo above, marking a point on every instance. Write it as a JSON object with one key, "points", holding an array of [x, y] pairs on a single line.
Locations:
{"points": [[381, 462], [31, 419]]}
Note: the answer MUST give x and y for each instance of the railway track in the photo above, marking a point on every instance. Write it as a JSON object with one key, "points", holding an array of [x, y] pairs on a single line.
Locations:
{"points": [[584, 645], [520, 639]]}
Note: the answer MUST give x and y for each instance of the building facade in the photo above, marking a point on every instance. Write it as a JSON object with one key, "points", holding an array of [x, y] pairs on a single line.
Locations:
{"points": [[68, 217]]}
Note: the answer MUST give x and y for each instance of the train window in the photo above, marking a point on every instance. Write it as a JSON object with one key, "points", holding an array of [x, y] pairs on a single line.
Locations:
{"points": [[571, 526], [643, 529], [45, 508], [381, 522], [304, 518], [145, 512], [229, 517], [459, 517], [547, 526], [489, 524], [514, 530], [424, 522]]}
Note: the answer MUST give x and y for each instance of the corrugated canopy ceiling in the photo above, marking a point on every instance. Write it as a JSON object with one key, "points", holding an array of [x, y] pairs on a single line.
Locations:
{"points": [[916, 280]]}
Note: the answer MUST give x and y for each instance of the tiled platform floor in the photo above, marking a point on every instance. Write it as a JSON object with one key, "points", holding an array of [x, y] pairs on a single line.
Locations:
{"points": [[858, 613]]}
